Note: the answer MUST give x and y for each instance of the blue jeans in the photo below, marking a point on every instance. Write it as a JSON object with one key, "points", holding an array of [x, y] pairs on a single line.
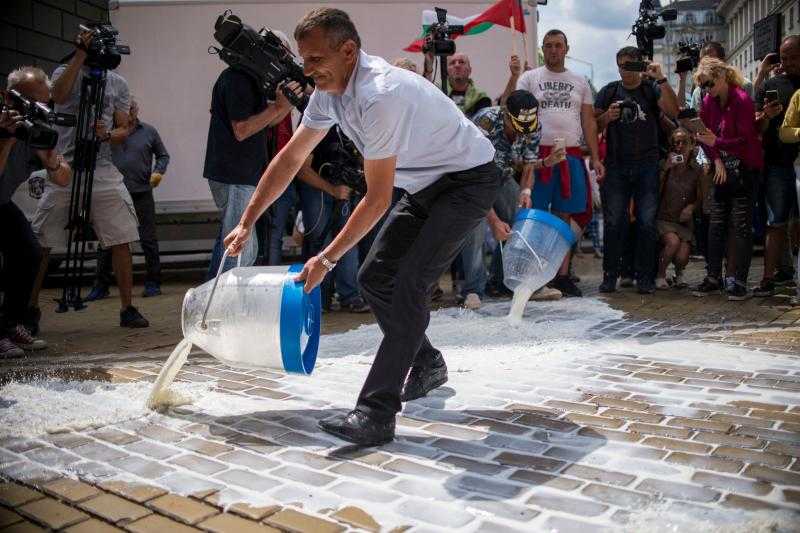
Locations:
{"points": [[639, 182], [278, 217], [232, 201], [472, 261], [322, 219]]}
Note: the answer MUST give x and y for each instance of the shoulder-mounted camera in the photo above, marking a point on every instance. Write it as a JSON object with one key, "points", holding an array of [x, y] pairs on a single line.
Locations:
{"points": [[37, 121]]}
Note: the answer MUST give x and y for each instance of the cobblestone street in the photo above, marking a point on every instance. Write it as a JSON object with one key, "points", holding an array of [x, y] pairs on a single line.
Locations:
{"points": [[654, 413]]}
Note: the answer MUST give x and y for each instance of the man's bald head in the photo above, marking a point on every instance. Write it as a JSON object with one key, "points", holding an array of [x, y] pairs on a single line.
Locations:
{"points": [[31, 82], [458, 69]]}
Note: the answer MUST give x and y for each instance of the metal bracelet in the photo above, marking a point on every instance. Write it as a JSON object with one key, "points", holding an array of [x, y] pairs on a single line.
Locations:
{"points": [[327, 263]]}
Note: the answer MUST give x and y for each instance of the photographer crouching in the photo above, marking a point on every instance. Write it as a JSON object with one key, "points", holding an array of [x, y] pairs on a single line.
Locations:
{"points": [[18, 245]]}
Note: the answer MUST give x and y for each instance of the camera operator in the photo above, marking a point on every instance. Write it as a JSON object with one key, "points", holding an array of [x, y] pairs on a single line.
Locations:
{"points": [[236, 153], [21, 252], [566, 112], [628, 110], [450, 180], [772, 100], [135, 157], [330, 185], [112, 213]]}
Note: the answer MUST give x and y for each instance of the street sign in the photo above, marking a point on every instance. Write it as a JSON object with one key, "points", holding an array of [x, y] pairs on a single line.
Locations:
{"points": [[766, 36]]}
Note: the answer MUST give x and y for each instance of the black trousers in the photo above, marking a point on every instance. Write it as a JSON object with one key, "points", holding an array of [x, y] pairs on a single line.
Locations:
{"points": [[21, 257], [145, 207], [731, 213], [419, 240]]}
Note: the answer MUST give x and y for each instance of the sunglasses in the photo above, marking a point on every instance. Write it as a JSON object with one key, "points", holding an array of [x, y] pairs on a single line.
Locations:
{"points": [[708, 84], [678, 142]]}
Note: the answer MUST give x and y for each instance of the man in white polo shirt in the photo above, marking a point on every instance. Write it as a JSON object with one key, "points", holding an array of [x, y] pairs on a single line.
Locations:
{"points": [[413, 137]]}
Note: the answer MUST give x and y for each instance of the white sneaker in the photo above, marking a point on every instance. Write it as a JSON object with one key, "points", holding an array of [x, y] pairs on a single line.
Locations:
{"points": [[661, 284], [546, 294], [472, 301]]}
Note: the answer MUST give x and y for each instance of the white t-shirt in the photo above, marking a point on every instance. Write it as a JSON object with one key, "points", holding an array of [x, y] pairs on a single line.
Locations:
{"points": [[560, 96]]}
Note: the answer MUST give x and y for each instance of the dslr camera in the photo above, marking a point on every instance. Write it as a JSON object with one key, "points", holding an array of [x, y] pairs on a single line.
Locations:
{"points": [[104, 52], [628, 111], [345, 166], [690, 57], [261, 54], [37, 121], [440, 42]]}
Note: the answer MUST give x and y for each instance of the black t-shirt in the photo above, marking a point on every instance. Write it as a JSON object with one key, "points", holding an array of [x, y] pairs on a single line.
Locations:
{"points": [[776, 152], [235, 97], [637, 141], [22, 161], [459, 96]]}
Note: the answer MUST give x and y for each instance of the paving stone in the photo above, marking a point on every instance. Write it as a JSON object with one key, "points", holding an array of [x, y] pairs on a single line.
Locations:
{"points": [[361, 455], [678, 491], [356, 517], [758, 405], [434, 513], [405, 466], [158, 524], [24, 527], [15, 495], [596, 474], [455, 432], [361, 472], [302, 475], [462, 447], [560, 405], [663, 431], [676, 445], [184, 483], [353, 490], [607, 434], [198, 464], [309, 460], [792, 496], [92, 526], [297, 522], [735, 501], [544, 422], [780, 477], [114, 436], [750, 456], [225, 523], [743, 420], [599, 421], [70, 490], [496, 426], [133, 491], [19, 444], [143, 468], [502, 509], [732, 484], [616, 496], [100, 452], [704, 462], [67, 440], [247, 480], [160, 433], [114, 509], [706, 425], [250, 460], [739, 441], [471, 465], [181, 508], [152, 449], [205, 447], [557, 502], [545, 480], [8, 517], [52, 513], [52, 457], [244, 510], [637, 416], [786, 437], [489, 487], [529, 461], [568, 525], [783, 449], [506, 442], [673, 410], [793, 418], [268, 393], [607, 401]]}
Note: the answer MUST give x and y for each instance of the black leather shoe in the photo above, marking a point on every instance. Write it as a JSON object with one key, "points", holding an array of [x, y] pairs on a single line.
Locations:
{"points": [[358, 428], [422, 380]]}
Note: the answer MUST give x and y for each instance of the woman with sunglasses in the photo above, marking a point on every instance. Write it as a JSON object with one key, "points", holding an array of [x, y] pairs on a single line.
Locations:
{"points": [[680, 195], [732, 143]]}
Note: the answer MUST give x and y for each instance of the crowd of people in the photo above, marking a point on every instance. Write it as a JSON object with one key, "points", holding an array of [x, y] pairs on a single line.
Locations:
{"points": [[666, 184]]}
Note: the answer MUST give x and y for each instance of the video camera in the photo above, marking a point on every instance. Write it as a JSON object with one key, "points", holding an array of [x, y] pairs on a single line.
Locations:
{"points": [[440, 43], [37, 121], [104, 52], [344, 166], [261, 54], [690, 57], [647, 29]]}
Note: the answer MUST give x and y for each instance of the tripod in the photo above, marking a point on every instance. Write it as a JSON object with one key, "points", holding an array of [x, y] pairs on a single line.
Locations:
{"points": [[90, 110]]}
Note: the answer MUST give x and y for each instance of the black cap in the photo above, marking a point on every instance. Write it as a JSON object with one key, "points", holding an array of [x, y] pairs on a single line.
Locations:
{"points": [[523, 109]]}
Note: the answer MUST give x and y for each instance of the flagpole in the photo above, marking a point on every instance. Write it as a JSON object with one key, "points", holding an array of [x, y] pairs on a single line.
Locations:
{"points": [[513, 35], [534, 25]]}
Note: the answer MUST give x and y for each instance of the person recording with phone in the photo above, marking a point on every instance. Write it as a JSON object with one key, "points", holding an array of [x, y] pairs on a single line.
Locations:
{"points": [[18, 245], [732, 143], [779, 174], [679, 188], [628, 110]]}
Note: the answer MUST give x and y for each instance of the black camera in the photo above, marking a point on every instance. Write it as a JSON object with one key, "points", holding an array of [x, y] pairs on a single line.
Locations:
{"points": [[690, 57], [37, 121], [628, 111], [104, 52], [440, 42], [647, 29], [344, 166], [261, 54]]}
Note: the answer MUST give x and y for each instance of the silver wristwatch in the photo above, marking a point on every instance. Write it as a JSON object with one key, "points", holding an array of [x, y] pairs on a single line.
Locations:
{"points": [[326, 263]]}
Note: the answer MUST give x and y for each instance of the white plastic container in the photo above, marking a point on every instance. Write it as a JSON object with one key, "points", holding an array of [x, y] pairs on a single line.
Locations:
{"points": [[258, 318], [535, 250]]}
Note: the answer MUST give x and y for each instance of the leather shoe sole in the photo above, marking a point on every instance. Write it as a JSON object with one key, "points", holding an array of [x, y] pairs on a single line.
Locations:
{"points": [[419, 387]]}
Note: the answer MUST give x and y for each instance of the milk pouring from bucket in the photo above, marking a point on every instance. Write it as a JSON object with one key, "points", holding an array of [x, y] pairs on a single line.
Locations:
{"points": [[252, 317], [533, 254]]}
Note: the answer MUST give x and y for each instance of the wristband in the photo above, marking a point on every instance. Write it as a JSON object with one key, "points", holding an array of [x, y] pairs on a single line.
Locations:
{"points": [[525, 191], [329, 266]]}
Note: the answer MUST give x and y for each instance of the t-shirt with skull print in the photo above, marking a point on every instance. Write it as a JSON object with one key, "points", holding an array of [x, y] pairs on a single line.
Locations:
{"points": [[633, 138]]}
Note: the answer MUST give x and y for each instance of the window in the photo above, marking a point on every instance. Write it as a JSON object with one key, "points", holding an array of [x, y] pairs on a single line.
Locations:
{"points": [[689, 19], [709, 17]]}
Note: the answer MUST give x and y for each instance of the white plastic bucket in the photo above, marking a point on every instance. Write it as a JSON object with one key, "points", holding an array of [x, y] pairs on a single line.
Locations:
{"points": [[258, 318], [537, 247]]}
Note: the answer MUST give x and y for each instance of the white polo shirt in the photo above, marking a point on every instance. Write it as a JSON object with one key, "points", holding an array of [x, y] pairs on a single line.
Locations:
{"points": [[388, 111]]}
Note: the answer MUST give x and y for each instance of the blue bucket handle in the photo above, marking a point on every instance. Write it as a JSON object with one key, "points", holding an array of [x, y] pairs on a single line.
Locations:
{"points": [[548, 219]]}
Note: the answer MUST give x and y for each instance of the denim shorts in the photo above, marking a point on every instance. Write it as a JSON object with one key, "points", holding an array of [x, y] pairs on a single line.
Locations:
{"points": [[779, 189], [547, 196]]}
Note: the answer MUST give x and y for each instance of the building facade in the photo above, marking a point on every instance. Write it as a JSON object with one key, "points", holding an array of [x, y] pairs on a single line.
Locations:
{"points": [[741, 15]]}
